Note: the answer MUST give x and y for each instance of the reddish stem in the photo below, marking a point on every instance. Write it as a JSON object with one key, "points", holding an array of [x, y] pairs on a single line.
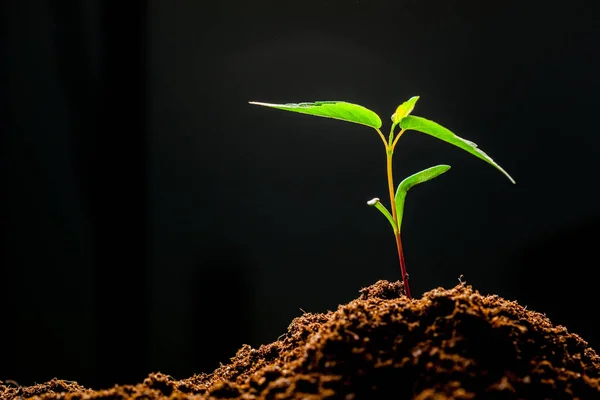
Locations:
{"points": [[402, 266]]}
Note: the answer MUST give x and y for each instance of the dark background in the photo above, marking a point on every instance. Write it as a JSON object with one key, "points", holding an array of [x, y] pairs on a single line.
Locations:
{"points": [[154, 221]]}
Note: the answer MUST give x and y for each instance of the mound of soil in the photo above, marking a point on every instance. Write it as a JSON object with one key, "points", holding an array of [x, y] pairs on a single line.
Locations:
{"points": [[450, 344]]}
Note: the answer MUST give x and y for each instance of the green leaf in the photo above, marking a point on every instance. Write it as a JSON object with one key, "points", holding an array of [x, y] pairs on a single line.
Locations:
{"points": [[377, 204], [332, 109], [413, 180], [404, 109], [436, 130]]}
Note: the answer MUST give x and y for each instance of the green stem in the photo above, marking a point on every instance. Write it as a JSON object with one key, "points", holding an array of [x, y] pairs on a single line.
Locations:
{"points": [[390, 152], [397, 137]]}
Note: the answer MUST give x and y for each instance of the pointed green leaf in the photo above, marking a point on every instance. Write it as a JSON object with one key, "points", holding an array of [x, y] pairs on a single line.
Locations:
{"points": [[332, 109], [436, 130], [404, 109], [404, 186], [377, 204]]}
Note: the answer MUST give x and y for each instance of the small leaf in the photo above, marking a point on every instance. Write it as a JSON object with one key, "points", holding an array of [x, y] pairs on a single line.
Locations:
{"points": [[404, 109], [413, 180], [332, 109], [436, 130], [377, 204]]}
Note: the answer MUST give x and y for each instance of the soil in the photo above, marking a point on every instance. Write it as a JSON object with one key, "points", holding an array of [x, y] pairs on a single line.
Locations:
{"points": [[450, 344]]}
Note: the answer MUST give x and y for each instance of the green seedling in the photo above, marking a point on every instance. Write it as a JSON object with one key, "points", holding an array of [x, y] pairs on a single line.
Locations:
{"points": [[404, 121]]}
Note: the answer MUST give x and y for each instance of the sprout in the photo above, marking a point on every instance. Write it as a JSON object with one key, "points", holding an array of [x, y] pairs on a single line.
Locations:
{"points": [[403, 119]]}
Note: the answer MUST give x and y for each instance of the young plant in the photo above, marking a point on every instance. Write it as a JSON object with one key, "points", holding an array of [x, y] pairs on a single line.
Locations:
{"points": [[404, 121]]}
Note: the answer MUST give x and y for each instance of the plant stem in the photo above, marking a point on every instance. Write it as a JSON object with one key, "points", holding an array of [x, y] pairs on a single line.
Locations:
{"points": [[402, 266], [389, 153]]}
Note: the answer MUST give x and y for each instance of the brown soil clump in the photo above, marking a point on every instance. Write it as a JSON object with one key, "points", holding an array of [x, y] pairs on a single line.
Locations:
{"points": [[450, 344]]}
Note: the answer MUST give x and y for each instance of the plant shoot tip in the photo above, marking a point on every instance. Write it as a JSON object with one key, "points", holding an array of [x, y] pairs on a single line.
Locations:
{"points": [[373, 202]]}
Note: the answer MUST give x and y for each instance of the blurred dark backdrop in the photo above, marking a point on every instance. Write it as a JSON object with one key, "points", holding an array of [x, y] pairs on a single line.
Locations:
{"points": [[153, 220]]}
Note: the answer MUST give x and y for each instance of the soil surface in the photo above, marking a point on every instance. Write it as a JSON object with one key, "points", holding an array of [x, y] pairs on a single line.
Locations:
{"points": [[450, 344]]}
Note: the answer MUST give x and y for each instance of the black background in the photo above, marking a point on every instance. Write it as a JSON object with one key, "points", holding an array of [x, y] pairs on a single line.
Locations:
{"points": [[156, 221]]}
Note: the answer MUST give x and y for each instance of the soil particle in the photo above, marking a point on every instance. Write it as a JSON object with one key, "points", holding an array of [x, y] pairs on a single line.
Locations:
{"points": [[450, 344]]}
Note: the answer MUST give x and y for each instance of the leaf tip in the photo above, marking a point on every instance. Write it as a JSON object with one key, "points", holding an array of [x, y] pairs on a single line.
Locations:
{"points": [[373, 201]]}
